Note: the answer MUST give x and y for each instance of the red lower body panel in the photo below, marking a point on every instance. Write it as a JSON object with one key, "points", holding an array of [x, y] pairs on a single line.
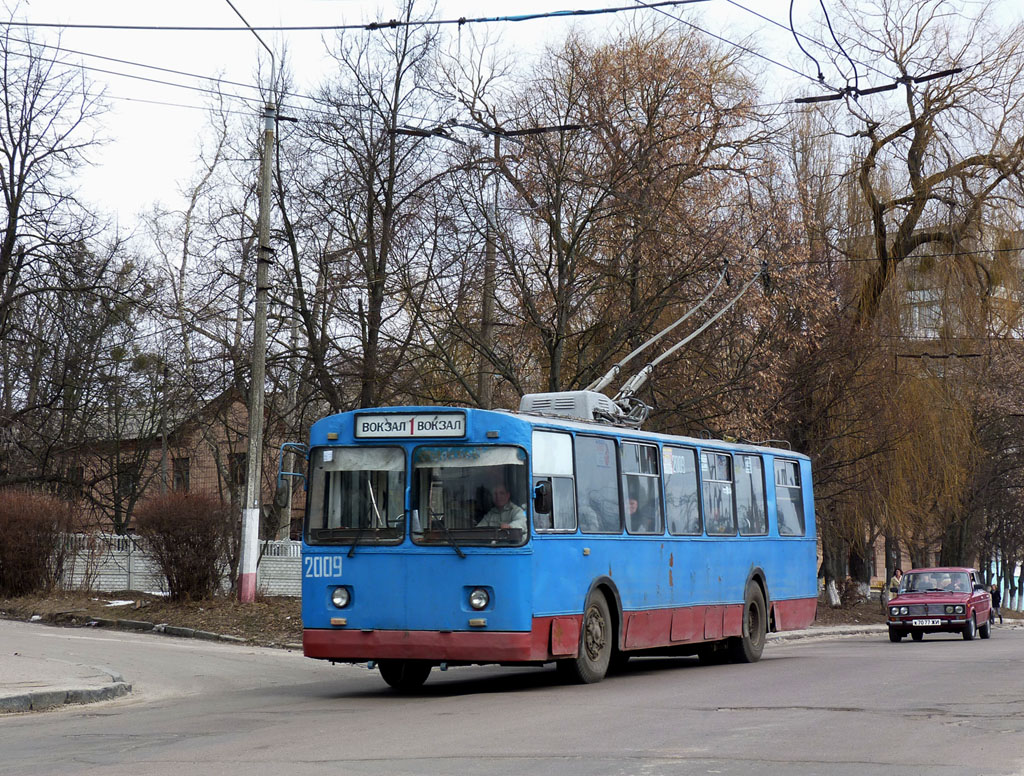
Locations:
{"points": [[795, 614], [549, 638]]}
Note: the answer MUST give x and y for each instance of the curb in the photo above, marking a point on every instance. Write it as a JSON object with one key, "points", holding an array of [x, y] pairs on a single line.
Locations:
{"points": [[46, 700]]}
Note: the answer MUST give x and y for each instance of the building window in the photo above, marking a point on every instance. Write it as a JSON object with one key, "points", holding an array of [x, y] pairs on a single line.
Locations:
{"points": [[180, 474], [127, 480], [237, 468]]}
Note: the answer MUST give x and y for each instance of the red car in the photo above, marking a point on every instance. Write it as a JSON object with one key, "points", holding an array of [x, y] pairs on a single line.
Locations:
{"points": [[940, 600]]}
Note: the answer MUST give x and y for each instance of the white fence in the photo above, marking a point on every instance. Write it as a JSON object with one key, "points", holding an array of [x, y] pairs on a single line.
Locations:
{"points": [[108, 562]]}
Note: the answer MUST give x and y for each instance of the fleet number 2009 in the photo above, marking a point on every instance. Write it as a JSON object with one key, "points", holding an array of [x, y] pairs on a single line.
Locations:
{"points": [[322, 566]]}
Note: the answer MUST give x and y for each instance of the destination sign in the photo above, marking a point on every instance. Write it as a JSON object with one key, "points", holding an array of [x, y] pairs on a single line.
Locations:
{"points": [[437, 424]]}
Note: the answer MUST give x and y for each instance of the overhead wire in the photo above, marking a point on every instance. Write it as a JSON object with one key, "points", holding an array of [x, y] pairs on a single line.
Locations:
{"points": [[792, 28], [728, 42], [828, 21], [371, 26]]}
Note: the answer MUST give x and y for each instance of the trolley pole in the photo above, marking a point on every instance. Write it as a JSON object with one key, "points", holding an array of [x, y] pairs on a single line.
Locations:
{"points": [[253, 492]]}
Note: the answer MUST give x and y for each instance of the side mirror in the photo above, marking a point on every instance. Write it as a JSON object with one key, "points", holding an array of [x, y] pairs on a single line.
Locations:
{"points": [[542, 497]]}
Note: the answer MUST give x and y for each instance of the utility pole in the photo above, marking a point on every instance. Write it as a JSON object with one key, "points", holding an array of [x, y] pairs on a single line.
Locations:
{"points": [[251, 505], [250, 546]]}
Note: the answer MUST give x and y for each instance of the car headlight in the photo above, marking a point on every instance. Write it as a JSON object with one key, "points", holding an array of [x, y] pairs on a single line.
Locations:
{"points": [[904, 610], [959, 609], [950, 609], [894, 610], [341, 597], [478, 598]]}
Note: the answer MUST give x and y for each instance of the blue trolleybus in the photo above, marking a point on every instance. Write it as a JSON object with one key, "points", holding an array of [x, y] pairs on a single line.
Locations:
{"points": [[443, 536]]}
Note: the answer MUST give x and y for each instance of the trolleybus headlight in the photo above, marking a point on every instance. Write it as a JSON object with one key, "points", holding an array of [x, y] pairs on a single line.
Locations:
{"points": [[340, 597], [904, 610], [479, 599]]}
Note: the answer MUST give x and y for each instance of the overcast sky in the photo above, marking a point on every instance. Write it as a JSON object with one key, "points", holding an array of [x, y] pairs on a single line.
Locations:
{"points": [[154, 142]]}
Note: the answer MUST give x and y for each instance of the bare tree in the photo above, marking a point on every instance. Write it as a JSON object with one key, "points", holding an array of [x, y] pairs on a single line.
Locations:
{"points": [[359, 221], [935, 167]]}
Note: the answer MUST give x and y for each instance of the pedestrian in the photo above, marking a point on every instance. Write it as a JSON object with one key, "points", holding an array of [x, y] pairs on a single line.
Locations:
{"points": [[894, 583], [997, 599], [890, 589]]}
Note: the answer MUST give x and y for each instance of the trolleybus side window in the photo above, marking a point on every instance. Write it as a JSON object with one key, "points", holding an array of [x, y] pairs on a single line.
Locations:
{"points": [[641, 488], [597, 484], [750, 508], [716, 475], [357, 491], [789, 499], [681, 502], [552, 468]]}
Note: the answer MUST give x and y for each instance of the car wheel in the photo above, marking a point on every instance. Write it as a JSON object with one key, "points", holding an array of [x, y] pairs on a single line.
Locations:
{"points": [[895, 636], [917, 636], [970, 629], [985, 630]]}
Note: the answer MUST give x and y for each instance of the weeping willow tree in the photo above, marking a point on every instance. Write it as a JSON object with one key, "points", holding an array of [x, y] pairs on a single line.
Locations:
{"points": [[927, 472]]}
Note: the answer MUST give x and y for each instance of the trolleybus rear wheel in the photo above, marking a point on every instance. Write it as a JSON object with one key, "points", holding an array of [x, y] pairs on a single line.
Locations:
{"points": [[404, 675], [748, 647], [595, 650]]}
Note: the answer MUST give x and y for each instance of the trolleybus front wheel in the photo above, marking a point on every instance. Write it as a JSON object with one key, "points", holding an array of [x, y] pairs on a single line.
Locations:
{"points": [[595, 651], [405, 675], [748, 647]]}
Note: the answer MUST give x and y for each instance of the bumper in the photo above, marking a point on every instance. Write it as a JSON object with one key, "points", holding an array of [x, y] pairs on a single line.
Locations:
{"points": [[929, 624], [548, 639]]}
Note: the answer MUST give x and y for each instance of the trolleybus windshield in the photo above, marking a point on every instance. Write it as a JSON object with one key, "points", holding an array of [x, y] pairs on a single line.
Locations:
{"points": [[469, 494]]}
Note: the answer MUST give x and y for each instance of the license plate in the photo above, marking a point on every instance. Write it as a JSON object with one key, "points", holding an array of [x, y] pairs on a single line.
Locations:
{"points": [[925, 623]]}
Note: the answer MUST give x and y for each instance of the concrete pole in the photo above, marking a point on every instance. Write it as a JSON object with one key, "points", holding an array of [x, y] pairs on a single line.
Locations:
{"points": [[251, 505]]}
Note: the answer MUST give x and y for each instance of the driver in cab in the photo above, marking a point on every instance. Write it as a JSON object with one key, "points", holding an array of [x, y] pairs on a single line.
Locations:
{"points": [[505, 513]]}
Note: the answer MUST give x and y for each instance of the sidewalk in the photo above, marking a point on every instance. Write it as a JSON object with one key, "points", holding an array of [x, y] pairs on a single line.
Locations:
{"points": [[38, 684]]}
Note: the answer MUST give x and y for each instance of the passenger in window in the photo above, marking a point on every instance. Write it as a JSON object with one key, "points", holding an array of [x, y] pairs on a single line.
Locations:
{"points": [[640, 520], [505, 513]]}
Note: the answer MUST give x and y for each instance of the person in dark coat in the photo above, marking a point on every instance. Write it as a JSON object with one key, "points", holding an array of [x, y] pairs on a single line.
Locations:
{"points": [[997, 599]]}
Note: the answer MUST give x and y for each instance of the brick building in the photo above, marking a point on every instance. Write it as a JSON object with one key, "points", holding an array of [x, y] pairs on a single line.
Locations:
{"points": [[204, 450]]}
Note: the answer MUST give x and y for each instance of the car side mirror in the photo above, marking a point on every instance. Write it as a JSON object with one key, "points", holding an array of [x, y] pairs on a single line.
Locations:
{"points": [[542, 497]]}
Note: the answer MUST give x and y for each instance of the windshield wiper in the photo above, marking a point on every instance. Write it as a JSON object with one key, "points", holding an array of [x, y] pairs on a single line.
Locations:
{"points": [[373, 502], [451, 539]]}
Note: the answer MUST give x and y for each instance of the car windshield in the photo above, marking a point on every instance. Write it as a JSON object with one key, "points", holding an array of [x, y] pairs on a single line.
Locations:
{"points": [[466, 494], [936, 582]]}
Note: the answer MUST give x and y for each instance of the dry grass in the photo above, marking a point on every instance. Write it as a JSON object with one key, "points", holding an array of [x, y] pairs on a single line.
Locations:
{"points": [[269, 621]]}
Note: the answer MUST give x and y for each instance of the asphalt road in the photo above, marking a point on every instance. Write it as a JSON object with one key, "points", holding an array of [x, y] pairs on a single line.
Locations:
{"points": [[854, 706]]}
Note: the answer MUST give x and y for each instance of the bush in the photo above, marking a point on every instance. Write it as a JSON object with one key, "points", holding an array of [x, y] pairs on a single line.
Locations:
{"points": [[32, 550], [186, 534]]}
